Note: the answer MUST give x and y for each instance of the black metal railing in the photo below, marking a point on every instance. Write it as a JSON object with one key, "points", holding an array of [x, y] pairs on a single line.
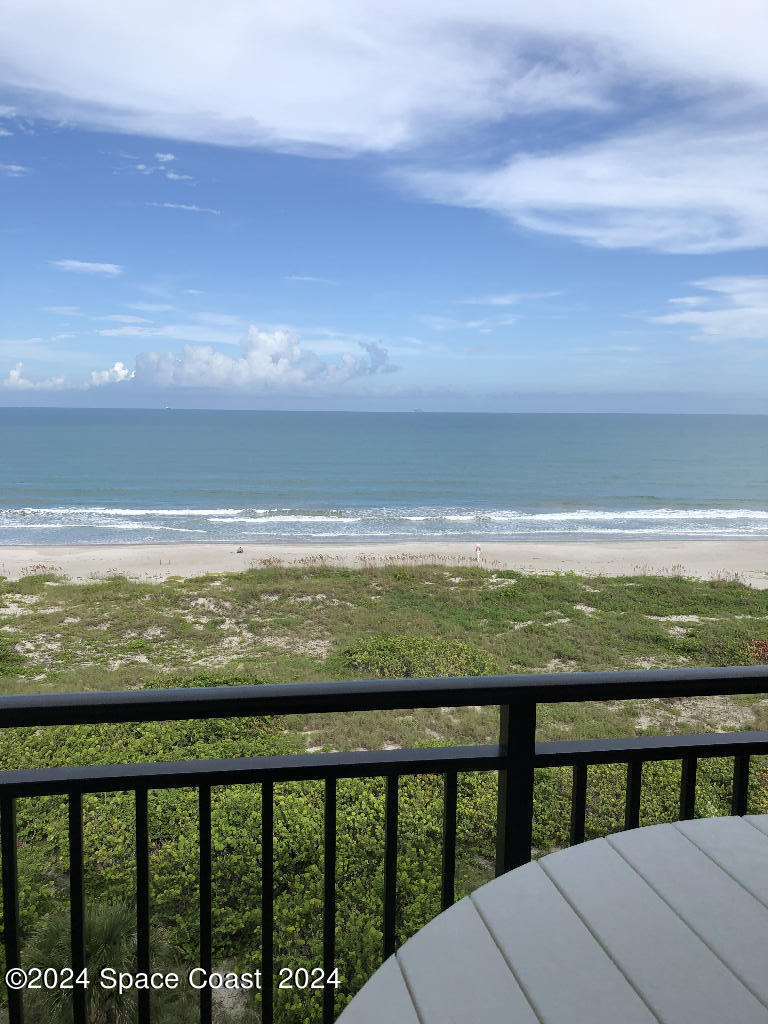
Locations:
{"points": [[515, 758]]}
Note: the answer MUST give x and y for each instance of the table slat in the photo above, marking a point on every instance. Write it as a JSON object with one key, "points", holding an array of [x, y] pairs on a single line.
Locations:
{"points": [[722, 913], [736, 846], [456, 973], [556, 959], [679, 977], [383, 999]]}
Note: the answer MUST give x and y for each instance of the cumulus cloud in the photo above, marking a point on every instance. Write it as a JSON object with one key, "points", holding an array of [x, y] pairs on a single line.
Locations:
{"points": [[114, 375], [735, 309], [164, 158], [13, 170], [16, 381], [86, 267], [270, 361]]}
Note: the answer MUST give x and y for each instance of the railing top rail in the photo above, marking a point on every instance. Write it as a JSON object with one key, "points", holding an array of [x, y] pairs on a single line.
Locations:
{"points": [[26, 782], [371, 695]]}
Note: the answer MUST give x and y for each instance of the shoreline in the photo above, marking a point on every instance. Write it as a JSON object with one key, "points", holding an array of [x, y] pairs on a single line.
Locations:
{"points": [[704, 559]]}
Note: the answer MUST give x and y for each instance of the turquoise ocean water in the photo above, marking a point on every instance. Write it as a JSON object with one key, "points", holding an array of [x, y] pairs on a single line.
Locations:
{"points": [[164, 476]]}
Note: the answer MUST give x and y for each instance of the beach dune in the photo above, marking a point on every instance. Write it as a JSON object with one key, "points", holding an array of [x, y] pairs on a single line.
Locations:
{"points": [[706, 559]]}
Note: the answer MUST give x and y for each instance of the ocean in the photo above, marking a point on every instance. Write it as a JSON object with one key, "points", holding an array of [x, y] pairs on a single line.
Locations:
{"points": [[163, 476]]}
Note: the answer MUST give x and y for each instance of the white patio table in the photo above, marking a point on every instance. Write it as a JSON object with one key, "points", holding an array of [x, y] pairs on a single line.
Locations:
{"points": [[661, 924]]}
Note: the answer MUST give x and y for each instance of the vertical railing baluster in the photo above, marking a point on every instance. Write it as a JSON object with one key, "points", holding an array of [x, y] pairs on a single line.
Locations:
{"points": [[578, 803], [390, 865], [142, 900], [267, 900], [634, 786], [514, 819], [206, 898], [688, 788], [329, 898], [740, 784], [10, 902], [448, 893], [77, 904]]}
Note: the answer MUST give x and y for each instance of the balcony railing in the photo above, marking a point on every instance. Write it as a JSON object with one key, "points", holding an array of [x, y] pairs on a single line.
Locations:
{"points": [[515, 758]]}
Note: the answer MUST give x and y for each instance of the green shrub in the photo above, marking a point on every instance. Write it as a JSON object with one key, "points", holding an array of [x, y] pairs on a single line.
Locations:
{"points": [[389, 656], [10, 659]]}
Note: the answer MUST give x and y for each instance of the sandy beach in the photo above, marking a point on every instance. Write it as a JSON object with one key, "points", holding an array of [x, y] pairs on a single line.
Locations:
{"points": [[149, 562]]}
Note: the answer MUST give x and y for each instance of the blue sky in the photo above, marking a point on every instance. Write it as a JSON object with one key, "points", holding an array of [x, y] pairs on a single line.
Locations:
{"points": [[237, 206]]}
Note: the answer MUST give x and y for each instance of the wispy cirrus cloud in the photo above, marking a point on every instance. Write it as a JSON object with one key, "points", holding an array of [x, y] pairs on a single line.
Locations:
{"points": [[484, 325], [124, 318], [88, 267], [421, 82], [151, 307], [507, 298], [308, 278], [626, 191], [733, 309], [189, 207]]}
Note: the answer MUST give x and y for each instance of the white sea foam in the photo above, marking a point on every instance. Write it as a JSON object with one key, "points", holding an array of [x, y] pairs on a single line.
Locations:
{"points": [[78, 524]]}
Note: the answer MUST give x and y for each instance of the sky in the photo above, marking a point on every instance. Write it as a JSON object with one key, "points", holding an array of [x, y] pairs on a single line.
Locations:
{"points": [[345, 205]]}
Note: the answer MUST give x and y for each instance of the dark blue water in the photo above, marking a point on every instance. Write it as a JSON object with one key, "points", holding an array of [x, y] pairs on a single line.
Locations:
{"points": [[130, 476]]}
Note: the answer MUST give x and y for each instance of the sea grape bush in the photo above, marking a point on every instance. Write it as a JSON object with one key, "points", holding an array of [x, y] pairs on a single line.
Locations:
{"points": [[391, 656]]}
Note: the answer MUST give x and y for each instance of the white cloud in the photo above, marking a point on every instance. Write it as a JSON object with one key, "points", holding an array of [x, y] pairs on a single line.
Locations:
{"points": [[308, 277], [375, 76], [174, 176], [115, 374], [211, 334], [85, 267], [393, 79], [740, 310], [124, 318], [194, 291], [185, 206], [13, 170], [4, 131], [507, 298], [151, 307], [628, 191], [270, 361], [448, 323], [63, 310], [16, 381]]}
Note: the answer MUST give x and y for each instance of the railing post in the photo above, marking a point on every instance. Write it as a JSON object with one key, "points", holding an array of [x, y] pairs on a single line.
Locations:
{"points": [[514, 820], [11, 929]]}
